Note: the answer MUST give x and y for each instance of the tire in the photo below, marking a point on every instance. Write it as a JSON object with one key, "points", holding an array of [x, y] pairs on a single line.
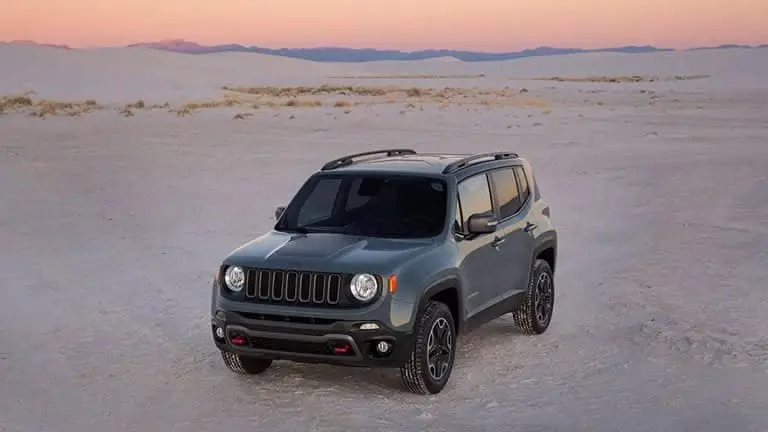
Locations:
{"points": [[245, 365], [526, 317], [417, 375]]}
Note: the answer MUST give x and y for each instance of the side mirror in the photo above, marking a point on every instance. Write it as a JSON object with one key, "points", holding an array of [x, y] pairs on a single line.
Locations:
{"points": [[482, 223], [279, 212]]}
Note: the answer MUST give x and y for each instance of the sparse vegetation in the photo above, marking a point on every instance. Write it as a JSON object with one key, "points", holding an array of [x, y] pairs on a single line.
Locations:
{"points": [[43, 107], [617, 79], [335, 96], [411, 76]]}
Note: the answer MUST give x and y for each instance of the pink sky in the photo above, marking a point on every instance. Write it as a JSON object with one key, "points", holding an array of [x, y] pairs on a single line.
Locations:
{"points": [[492, 25]]}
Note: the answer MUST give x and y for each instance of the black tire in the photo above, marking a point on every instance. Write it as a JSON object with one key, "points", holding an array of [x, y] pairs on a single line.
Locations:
{"points": [[419, 374], [528, 316], [245, 365]]}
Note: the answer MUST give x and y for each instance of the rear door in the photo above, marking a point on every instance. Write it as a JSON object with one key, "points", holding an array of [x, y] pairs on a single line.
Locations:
{"points": [[512, 205]]}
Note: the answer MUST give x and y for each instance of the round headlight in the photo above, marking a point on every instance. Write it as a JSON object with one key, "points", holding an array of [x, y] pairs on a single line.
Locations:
{"points": [[234, 277], [364, 287]]}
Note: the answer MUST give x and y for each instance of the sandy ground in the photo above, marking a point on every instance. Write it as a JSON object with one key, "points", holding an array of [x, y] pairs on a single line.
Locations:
{"points": [[111, 228]]}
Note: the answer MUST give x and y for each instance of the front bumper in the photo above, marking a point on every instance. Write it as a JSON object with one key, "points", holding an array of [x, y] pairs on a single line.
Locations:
{"points": [[309, 340]]}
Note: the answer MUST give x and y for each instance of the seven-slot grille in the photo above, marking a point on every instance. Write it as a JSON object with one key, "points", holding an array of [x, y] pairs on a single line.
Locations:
{"points": [[294, 287]]}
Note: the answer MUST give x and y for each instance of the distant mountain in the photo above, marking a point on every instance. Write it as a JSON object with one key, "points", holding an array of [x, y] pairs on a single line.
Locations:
{"points": [[33, 43], [727, 46], [339, 54], [175, 45], [357, 55]]}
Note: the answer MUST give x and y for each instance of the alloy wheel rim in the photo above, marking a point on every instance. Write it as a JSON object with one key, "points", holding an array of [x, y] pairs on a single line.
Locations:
{"points": [[439, 348], [543, 298]]}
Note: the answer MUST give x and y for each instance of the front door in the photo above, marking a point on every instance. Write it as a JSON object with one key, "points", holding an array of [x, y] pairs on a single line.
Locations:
{"points": [[480, 256]]}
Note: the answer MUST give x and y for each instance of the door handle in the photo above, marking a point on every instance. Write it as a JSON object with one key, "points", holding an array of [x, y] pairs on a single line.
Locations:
{"points": [[530, 227], [497, 241]]}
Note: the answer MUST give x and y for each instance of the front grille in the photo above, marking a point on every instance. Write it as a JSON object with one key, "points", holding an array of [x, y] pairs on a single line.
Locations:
{"points": [[295, 287]]}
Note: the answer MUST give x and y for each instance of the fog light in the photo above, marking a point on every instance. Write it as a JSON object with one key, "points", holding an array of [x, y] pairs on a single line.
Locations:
{"points": [[383, 347], [369, 326], [219, 332]]}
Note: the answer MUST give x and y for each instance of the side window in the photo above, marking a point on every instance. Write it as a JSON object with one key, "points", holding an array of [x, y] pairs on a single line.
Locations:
{"points": [[507, 195], [474, 197], [319, 202], [522, 181]]}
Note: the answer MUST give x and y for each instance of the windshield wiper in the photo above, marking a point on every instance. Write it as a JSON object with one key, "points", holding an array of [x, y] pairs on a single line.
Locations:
{"points": [[294, 229]]}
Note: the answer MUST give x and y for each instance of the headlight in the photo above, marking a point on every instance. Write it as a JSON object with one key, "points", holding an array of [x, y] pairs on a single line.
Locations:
{"points": [[364, 287], [234, 278]]}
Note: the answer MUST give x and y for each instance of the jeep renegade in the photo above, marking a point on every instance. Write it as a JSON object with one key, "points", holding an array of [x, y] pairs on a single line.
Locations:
{"points": [[383, 258]]}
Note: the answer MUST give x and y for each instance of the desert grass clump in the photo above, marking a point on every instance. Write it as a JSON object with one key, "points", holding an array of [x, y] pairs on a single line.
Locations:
{"points": [[45, 108], [299, 103], [342, 104], [14, 103], [190, 107], [139, 104], [327, 89]]}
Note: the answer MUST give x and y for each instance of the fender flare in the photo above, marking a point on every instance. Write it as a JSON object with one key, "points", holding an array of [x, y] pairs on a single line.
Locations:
{"points": [[548, 241], [447, 282]]}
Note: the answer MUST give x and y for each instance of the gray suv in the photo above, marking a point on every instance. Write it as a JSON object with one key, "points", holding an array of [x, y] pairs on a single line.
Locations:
{"points": [[383, 258]]}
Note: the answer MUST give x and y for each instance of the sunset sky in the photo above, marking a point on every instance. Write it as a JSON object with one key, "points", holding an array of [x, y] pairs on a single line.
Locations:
{"points": [[489, 25]]}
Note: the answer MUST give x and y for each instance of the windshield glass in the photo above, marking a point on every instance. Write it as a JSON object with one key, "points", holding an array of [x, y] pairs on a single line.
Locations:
{"points": [[369, 205]]}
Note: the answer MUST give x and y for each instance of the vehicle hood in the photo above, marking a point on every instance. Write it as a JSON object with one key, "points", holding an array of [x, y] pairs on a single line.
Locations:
{"points": [[328, 252]]}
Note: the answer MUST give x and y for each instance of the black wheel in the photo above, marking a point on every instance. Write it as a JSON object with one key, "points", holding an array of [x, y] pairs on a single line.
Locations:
{"points": [[245, 365], [431, 362], [535, 312]]}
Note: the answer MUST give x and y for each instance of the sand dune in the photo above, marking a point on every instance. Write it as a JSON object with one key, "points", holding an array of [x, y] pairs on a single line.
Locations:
{"points": [[124, 74], [114, 215]]}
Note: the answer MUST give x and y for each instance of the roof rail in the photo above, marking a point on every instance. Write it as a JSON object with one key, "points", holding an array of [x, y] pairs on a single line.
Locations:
{"points": [[465, 162], [348, 160]]}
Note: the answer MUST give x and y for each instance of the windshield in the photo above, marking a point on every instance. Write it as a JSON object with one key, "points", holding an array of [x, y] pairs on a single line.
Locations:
{"points": [[368, 205]]}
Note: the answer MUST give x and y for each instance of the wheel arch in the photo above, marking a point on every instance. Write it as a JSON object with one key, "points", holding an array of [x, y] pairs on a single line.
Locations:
{"points": [[547, 251], [448, 291]]}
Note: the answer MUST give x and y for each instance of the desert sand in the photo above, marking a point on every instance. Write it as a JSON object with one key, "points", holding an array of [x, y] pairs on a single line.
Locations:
{"points": [[127, 174]]}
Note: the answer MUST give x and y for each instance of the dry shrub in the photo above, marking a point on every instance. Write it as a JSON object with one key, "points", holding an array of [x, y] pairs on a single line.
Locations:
{"points": [[190, 107], [298, 103], [242, 116], [14, 103], [342, 104], [45, 108], [139, 104], [126, 112]]}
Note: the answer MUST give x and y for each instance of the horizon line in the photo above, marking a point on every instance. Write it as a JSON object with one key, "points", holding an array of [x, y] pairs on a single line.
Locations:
{"points": [[310, 47]]}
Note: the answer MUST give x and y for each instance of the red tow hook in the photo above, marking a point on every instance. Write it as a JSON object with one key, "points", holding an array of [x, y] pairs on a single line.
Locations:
{"points": [[342, 348], [238, 340]]}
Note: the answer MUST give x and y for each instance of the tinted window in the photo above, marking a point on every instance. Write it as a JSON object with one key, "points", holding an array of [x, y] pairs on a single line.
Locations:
{"points": [[522, 181], [369, 205], [507, 195], [474, 197]]}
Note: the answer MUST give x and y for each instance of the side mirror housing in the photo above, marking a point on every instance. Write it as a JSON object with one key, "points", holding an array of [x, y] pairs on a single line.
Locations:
{"points": [[279, 212], [482, 223]]}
